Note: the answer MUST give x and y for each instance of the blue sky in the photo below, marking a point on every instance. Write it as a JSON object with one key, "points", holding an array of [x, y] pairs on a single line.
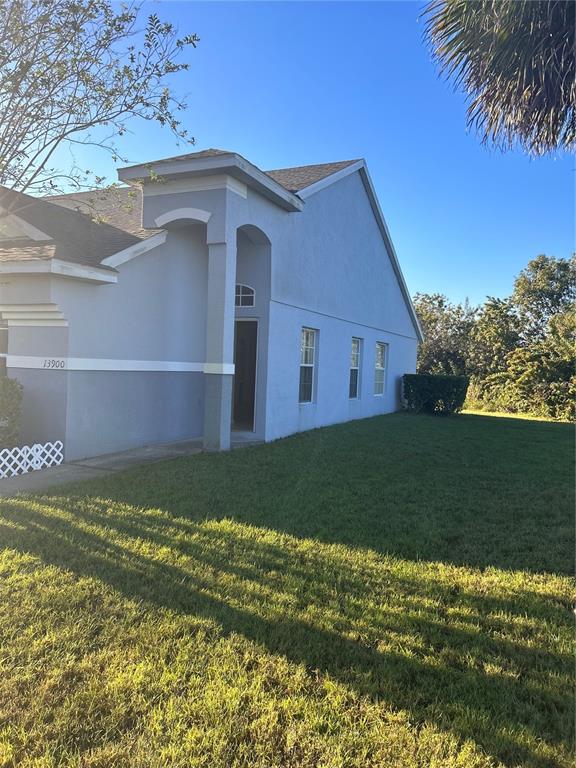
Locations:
{"points": [[291, 83]]}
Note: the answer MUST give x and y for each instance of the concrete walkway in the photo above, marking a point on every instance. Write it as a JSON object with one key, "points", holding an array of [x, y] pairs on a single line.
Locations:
{"points": [[88, 469]]}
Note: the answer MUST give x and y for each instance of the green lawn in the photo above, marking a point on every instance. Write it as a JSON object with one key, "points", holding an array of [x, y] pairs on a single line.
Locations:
{"points": [[388, 593]]}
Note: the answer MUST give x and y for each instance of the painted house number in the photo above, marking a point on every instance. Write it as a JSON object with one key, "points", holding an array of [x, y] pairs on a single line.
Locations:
{"points": [[53, 362]]}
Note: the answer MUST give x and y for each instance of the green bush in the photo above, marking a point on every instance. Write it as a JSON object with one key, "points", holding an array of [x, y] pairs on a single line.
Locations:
{"points": [[10, 411], [425, 393]]}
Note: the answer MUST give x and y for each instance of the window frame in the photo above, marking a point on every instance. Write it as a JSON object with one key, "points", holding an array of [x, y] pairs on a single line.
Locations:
{"points": [[380, 369], [239, 295], [308, 365], [356, 367]]}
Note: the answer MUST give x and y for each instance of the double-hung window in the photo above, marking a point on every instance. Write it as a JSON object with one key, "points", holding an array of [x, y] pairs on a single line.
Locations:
{"points": [[308, 343], [355, 355], [380, 368]]}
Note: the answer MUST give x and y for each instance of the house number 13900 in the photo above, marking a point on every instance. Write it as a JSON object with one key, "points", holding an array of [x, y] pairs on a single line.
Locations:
{"points": [[51, 362]]}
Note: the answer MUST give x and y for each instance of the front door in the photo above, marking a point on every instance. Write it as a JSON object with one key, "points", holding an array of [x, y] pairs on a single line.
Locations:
{"points": [[245, 339]]}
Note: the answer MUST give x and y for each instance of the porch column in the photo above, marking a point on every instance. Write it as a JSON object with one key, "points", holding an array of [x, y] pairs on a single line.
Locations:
{"points": [[219, 366]]}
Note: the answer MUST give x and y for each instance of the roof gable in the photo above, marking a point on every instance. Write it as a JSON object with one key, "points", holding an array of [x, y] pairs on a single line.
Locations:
{"points": [[88, 228], [300, 177]]}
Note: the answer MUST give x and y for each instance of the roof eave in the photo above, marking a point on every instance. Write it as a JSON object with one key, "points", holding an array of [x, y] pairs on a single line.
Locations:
{"points": [[59, 268], [332, 178], [365, 176], [231, 164]]}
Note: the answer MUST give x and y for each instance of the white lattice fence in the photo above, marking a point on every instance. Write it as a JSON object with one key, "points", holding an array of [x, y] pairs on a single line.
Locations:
{"points": [[25, 458]]}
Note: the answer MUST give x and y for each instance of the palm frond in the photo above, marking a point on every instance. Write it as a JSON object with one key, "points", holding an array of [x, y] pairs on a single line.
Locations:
{"points": [[516, 60]]}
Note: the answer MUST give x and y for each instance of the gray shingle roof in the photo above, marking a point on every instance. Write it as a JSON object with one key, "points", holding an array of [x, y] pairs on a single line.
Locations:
{"points": [[86, 227], [296, 179]]}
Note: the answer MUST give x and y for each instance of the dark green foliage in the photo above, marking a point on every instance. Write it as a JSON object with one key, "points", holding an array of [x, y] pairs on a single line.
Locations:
{"points": [[545, 288], [519, 352], [515, 60], [425, 393], [538, 378], [447, 329], [494, 335], [10, 411]]}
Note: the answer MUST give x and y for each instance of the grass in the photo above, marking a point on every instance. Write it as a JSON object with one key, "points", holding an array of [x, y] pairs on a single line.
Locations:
{"points": [[394, 592]]}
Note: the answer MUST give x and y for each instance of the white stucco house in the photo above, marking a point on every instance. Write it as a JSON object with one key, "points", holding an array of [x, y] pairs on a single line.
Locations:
{"points": [[202, 296]]}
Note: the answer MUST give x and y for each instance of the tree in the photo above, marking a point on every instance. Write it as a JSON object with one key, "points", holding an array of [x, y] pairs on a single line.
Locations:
{"points": [[516, 62], [546, 287], [539, 378], [446, 328], [73, 72], [494, 335]]}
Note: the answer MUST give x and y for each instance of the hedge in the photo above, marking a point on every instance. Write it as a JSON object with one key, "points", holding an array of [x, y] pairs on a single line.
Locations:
{"points": [[10, 411], [425, 393]]}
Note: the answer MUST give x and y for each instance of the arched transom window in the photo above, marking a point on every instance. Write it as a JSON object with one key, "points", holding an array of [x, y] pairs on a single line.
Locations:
{"points": [[245, 295]]}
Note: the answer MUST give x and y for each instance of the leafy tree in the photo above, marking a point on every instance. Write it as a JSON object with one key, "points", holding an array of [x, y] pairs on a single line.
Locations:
{"points": [[446, 328], [73, 72], [539, 378], [546, 287], [494, 335], [515, 60]]}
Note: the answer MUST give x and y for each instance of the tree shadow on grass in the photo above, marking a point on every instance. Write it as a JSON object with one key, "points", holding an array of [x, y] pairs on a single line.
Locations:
{"points": [[470, 490], [471, 662]]}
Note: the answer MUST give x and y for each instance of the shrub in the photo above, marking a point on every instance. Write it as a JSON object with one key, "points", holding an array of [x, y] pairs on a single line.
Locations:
{"points": [[10, 411], [425, 393]]}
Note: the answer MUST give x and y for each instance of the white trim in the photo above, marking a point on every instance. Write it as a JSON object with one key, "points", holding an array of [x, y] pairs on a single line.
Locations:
{"points": [[252, 295], [202, 184], [63, 363], [135, 250], [327, 181], [311, 365], [59, 268], [196, 214], [356, 368], [222, 368], [32, 315], [28, 307], [383, 368], [37, 323]]}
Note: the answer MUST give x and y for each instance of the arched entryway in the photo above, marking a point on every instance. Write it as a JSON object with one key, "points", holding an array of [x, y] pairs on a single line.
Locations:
{"points": [[252, 304]]}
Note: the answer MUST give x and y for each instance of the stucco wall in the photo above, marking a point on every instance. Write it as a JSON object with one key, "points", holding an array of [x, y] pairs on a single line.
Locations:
{"points": [[336, 262], [333, 273], [332, 373], [112, 411], [156, 310], [326, 268]]}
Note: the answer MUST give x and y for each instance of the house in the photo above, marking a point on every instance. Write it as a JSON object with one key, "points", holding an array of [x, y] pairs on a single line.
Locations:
{"points": [[200, 297]]}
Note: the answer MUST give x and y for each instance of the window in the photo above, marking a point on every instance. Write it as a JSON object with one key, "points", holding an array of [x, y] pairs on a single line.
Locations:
{"points": [[380, 368], [244, 296], [354, 385], [307, 362]]}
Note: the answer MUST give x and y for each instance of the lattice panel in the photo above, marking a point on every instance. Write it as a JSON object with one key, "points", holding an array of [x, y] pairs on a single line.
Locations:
{"points": [[26, 458]]}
